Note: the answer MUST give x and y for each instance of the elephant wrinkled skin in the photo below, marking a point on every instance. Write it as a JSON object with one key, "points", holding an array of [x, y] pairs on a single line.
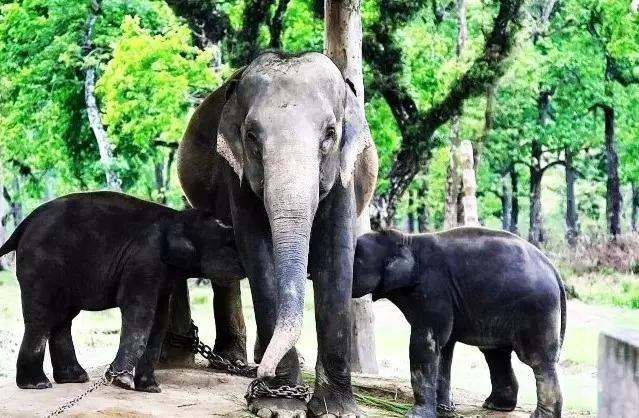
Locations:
{"points": [[283, 151]]}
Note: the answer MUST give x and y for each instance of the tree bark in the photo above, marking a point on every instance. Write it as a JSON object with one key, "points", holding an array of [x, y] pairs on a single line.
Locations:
{"points": [[411, 212], [453, 180], [343, 44], [276, 26], [613, 193], [113, 182], [506, 198], [471, 216], [422, 211], [453, 189], [535, 234], [572, 228], [635, 206], [514, 184]]}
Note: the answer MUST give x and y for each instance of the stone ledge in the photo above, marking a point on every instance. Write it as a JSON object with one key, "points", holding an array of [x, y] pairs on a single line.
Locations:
{"points": [[618, 374]]}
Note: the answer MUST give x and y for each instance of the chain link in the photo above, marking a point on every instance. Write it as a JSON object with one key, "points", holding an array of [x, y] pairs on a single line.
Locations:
{"points": [[259, 389], [104, 380], [192, 342]]}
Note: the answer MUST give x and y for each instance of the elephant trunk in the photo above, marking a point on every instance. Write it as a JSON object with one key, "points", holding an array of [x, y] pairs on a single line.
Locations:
{"points": [[291, 203]]}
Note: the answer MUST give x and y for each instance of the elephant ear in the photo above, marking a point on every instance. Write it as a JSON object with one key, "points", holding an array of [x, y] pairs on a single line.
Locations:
{"points": [[399, 272], [356, 135], [178, 250], [229, 142]]}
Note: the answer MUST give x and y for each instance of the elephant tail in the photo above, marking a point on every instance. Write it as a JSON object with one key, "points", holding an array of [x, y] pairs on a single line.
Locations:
{"points": [[12, 243], [562, 302]]}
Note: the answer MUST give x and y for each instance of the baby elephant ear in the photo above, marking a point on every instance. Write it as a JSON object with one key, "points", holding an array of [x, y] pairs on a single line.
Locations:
{"points": [[179, 251], [356, 135], [398, 273]]}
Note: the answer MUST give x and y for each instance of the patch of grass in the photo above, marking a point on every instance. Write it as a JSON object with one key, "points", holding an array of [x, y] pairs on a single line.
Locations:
{"points": [[605, 288], [200, 299]]}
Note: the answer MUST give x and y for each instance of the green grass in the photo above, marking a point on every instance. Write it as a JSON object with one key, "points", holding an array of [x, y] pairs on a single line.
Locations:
{"points": [[604, 287]]}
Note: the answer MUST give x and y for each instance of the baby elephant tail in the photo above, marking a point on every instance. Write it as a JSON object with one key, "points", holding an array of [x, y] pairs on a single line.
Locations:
{"points": [[562, 301], [14, 239]]}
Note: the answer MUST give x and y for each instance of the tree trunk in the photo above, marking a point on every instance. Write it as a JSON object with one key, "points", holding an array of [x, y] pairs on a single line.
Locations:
{"points": [[160, 186], [411, 212], [535, 235], [453, 180], [635, 206], [613, 193], [506, 203], [276, 26], [572, 228], [452, 216], [422, 211], [514, 184], [113, 182], [471, 216], [343, 44]]}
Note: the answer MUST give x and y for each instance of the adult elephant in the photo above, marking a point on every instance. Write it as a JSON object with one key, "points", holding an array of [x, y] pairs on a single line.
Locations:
{"points": [[283, 151]]}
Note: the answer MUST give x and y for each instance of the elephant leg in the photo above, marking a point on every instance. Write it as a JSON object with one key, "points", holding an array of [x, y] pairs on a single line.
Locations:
{"points": [[424, 366], [253, 240], [549, 398], [444, 396], [145, 369], [29, 373], [332, 253], [503, 396], [230, 331], [179, 323], [66, 368]]}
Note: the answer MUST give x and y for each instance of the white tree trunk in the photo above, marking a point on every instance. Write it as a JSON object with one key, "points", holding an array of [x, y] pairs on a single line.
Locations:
{"points": [[452, 185], [469, 201], [343, 44], [104, 146]]}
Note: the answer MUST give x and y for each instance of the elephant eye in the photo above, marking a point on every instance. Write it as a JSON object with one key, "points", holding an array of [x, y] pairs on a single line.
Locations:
{"points": [[328, 140], [253, 142]]}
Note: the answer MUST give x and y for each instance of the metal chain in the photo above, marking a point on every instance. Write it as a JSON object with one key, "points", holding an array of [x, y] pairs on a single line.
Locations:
{"points": [[445, 408], [259, 389], [104, 380], [192, 342]]}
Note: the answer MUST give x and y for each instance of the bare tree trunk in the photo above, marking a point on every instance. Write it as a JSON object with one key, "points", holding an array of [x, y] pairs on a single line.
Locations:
{"points": [[104, 146], [535, 234], [159, 181], [613, 193], [506, 203], [422, 211], [635, 206], [514, 184], [411, 212], [453, 189], [343, 44], [471, 216], [572, 228]]}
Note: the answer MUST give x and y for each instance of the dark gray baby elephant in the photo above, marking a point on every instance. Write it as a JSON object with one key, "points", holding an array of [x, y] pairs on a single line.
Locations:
{"points": [[485, 288], [94, 251]]}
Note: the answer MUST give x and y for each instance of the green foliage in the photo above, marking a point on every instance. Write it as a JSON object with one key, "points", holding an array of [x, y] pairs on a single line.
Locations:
{"points": [[146, 90]]}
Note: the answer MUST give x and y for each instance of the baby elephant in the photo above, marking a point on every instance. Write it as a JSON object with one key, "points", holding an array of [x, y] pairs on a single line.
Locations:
{"points": [[485, 288], [95, 251]]}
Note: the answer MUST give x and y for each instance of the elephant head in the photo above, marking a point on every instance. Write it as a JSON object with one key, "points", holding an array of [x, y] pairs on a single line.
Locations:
{"points": [[384, 262], [291, 127], [202, 246]]}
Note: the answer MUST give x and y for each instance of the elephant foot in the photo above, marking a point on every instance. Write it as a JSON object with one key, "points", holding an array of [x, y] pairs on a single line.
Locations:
{"points": [[34, 380], [446, 410], [541, 413], [421, 411], [125, 381], [327, 403], [233, 350], [278, 408], [500, 402], [147, 383], [73, 374]]}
